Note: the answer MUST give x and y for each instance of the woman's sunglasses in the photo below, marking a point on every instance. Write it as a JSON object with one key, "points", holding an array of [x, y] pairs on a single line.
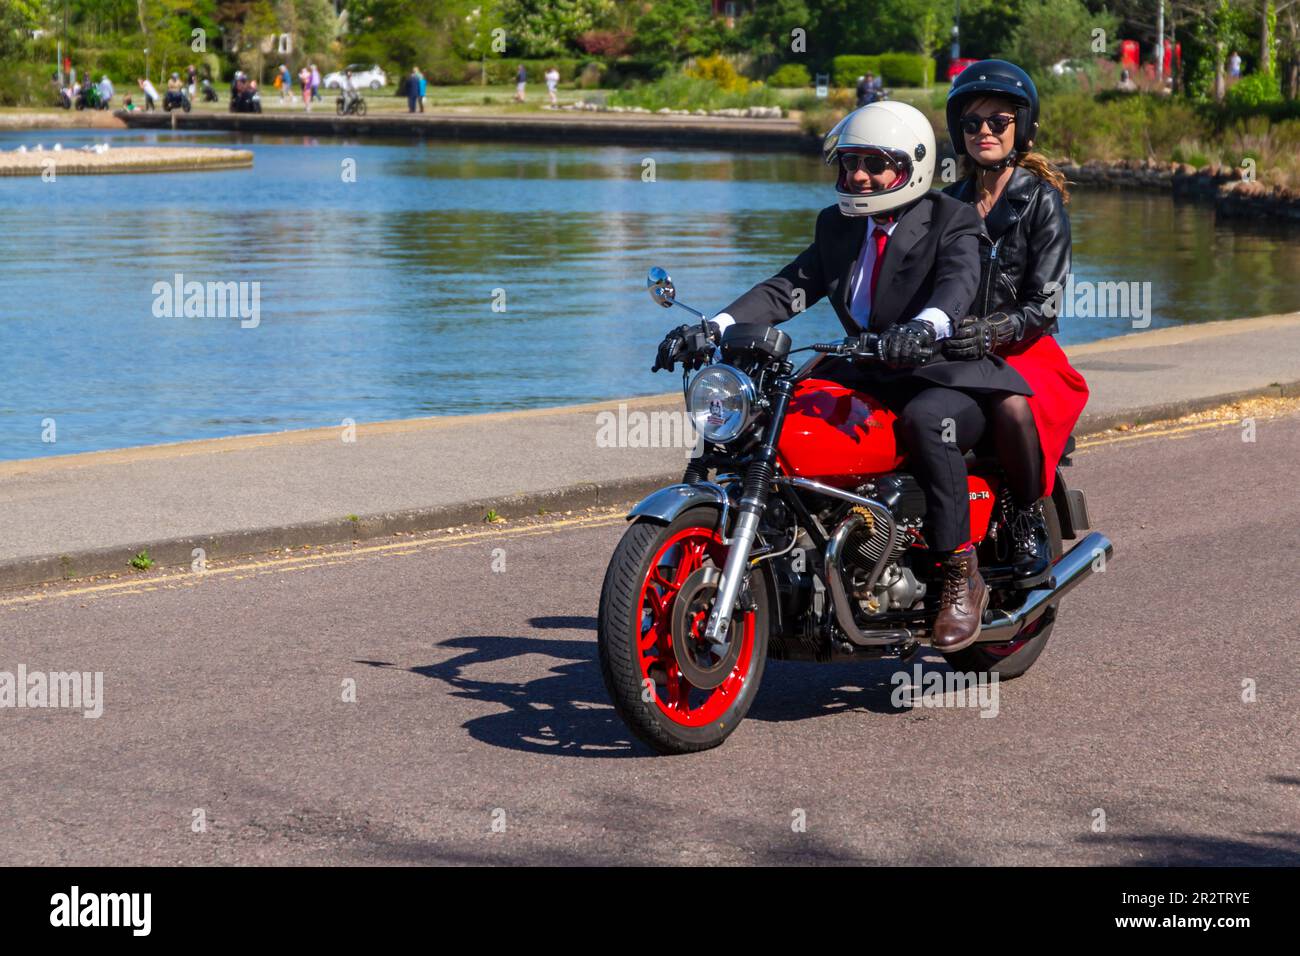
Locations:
{"points": [[874, 163], [972, 123]]}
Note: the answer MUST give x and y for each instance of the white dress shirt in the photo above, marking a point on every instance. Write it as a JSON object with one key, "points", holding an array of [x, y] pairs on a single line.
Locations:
{"points": [[860, 289]]}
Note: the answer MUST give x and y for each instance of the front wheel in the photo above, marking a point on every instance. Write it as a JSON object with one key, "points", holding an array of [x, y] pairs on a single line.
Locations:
{"points": [[360, 108], [675, 693], [1012, 658]]}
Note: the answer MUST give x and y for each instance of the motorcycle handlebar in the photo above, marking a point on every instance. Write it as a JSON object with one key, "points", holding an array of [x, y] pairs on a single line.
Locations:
{"points": [[856, 345]]}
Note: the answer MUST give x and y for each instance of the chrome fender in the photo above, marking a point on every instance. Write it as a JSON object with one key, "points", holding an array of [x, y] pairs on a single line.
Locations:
{"points": [[667, 503]]}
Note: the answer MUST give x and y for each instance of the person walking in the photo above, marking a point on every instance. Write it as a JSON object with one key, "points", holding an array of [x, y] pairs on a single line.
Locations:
{"points": [[304, 80], [424, 85], [315, 82], [412, 89], [150, 93], [521, 81], [552, 82]]}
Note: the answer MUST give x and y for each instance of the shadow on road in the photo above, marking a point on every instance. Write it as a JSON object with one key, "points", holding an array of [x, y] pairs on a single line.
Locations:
{"points": [[565, 709]]}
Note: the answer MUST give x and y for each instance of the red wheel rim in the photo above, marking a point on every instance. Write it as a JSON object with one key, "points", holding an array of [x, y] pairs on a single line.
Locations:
{"points": [[677, 559]]}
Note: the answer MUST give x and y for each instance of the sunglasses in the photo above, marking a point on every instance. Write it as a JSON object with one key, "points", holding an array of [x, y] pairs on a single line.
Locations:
{"points": [[873, 163], [972, 123]]}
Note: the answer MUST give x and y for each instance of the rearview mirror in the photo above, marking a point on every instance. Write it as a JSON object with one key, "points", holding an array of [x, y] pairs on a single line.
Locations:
{"points": [[660, 285]]}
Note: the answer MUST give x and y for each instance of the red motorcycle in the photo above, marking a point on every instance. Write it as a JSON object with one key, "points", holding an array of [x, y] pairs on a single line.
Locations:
{"points": [[797, 533]]}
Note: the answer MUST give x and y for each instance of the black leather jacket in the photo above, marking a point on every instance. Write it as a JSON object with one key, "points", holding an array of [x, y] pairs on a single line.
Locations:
{"points": [[1025, 246]]}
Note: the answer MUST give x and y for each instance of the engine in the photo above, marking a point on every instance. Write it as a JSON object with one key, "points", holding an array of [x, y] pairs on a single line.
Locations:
{"points": [[897, 587]]}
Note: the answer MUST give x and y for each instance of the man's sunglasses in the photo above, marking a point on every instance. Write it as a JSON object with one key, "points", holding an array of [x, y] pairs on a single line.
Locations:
{"points": [[972, 123], [874, 163]]}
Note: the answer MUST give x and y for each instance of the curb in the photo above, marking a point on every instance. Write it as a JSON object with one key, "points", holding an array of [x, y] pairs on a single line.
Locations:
{"points": [[224, 545], [178, 552]]}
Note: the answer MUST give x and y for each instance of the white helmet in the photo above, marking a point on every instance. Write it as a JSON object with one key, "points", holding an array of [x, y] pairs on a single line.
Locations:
{"points": [[902, 136]]}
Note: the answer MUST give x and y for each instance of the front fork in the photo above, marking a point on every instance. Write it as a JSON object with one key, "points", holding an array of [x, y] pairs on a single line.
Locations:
{"points": [[753, 501]]}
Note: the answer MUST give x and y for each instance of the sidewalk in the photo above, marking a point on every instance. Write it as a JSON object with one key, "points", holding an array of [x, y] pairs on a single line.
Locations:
{"points": [[86, 514]]}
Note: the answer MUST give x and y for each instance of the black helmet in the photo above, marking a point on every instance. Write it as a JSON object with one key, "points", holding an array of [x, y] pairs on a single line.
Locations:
{"points": [[994, 78]]}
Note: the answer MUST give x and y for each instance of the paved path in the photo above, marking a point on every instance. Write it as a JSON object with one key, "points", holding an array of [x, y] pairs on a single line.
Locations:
{"points": [[91, 513], [477, 695]]}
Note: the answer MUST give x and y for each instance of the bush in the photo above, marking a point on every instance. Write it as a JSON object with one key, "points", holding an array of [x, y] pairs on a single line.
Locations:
{"points": [[679, 91], [846, 69], [592, 76], [26, 84], [790, 76], [1252, 92], [501, 71], [906, 69], [720, 70]]}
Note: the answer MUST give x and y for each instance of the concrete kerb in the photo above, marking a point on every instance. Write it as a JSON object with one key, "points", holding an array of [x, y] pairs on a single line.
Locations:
{"points": [[178, 552]]}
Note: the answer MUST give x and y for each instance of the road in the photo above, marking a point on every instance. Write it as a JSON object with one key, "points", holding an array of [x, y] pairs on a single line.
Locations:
{"points": [[480, 731]]}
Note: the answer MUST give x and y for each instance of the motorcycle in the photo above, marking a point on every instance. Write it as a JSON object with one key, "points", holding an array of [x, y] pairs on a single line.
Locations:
{"points": [[245, 101], [176, 100], [90, 98], [806, 544], [355, 107], [209, 91]]}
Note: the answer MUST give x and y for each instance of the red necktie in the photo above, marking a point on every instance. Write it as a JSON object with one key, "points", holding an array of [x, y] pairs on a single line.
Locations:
{"points": [[881, 238]]}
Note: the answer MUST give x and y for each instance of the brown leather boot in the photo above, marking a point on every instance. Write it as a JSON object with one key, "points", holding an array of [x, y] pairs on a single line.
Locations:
{"points": [[962, 604]]}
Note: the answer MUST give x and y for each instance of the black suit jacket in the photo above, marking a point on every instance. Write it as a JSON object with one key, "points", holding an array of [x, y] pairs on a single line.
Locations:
{"points": [[931, 261]]}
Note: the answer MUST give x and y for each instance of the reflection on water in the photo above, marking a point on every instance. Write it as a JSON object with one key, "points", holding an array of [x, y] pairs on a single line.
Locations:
{"points": [[377, 296]]}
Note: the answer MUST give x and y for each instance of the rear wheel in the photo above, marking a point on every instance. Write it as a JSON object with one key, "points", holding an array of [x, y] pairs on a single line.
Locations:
{"points": [[1010, 659], [674, 691]]}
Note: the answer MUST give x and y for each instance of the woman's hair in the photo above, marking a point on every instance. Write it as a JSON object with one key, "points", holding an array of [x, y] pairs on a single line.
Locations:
{"points": [[1036, 163]]}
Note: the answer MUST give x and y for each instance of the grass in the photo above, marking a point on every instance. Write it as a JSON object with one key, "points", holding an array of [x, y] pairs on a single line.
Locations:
{"points": [[492, 517], [142, 561]]}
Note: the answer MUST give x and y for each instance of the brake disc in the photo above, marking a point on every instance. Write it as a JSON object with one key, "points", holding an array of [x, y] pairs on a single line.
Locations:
{"points": [[704, 665]]}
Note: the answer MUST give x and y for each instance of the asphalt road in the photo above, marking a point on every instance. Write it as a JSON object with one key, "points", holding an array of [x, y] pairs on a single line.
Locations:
{"points": [[480, 730]]}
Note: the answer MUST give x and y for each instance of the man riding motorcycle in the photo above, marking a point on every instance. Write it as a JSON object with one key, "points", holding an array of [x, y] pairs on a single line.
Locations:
{"points": [[899, 260]]}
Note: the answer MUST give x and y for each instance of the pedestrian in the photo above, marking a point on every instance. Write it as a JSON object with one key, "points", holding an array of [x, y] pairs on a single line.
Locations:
{"points": [[424, 85], [150, 93], [412, 89], [304, 80], [106, 90], [521, 80], [192, 80], [315, 82], [552, 81], [1234, 65]]}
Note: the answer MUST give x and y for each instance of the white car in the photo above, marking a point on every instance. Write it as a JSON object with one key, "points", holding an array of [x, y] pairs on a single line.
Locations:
{"points": [[362, 77]]}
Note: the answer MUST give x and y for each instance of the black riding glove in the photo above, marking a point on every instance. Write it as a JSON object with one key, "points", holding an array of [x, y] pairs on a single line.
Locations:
{"points": [[907, 345], [977, 337], [686, 344]]}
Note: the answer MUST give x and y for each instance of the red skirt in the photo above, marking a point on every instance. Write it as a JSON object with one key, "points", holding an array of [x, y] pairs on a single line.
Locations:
{"points": [[1059, 396]]}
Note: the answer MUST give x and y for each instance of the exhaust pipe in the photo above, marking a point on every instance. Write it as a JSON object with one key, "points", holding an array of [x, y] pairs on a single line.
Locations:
{"points": [[883, 637], [1069, 571]]}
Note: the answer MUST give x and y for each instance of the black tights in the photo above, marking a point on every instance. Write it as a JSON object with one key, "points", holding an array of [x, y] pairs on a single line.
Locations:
{"points": [[1016, 438]]}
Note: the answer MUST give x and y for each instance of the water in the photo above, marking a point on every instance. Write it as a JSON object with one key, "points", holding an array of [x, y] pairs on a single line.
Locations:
{"points": [[377, 296]]}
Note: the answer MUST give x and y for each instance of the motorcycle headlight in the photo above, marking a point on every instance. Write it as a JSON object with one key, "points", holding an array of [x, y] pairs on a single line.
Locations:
{"points": [[719, 401]]}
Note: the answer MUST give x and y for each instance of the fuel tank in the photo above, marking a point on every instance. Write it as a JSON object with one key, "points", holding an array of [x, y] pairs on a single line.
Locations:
{"points": [[837, 436], [841, 437]]}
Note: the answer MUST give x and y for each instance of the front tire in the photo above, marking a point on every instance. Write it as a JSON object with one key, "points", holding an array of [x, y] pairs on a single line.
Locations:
{"points": [[634, 635], [1012, 658]]}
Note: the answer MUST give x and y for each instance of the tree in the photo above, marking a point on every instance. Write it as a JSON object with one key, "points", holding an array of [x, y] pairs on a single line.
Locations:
{"points": [[541, 28], [1053, 30], [672, 30]]}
